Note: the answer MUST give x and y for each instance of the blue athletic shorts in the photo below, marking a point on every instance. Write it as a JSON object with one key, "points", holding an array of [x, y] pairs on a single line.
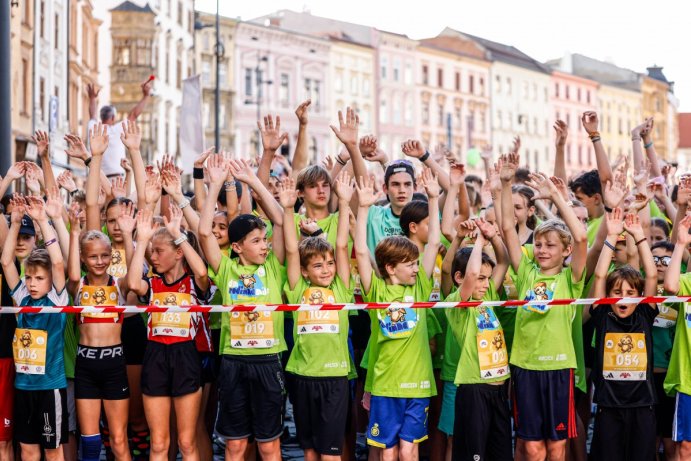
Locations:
{"points": [[681, 427], [393, 418], [448, 408]]}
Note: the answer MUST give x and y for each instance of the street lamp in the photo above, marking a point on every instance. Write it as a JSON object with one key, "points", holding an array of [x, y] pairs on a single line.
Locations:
{"points": [[219, 51]]}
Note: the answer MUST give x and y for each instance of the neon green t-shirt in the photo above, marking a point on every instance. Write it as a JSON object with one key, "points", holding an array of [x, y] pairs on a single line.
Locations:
{"points": [[543, 337], [679, 372], [400, 363], [251, 333], [330, 227], [321, 337], [593, 226]]}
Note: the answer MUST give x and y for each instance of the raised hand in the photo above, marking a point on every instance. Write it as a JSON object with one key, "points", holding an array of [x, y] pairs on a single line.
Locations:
{"points": [[92, 90], [684, 192], [302, 111], [75, 147], [36, 209], [308, 226], [561, 187], [32, 181], [75, 216], [590, 121], [145, 228], [171, 184], [19, 204], [430, 182], [378, 156], [486, 153], [368, 144], [272, 138], [457, 174], [488, 230], [152, 189], [641, 200], [561, 129], [632, 225], [125, 165], [201, 158], [508, 164], [516, 145], [117, 185], [683, 236], [544, 186], [647, 129], [173, 224], [287, 193], [98, 139], [615, 222], [131, 135], [242, 171], [42, 141], [16, 171], [366, 193], [344, 186], [328, 162], [53, 203], [466, 228], [147, 87], [347, 132], [615, 193], [127, 220], [413, 148], [494, 180], [217, 168]]}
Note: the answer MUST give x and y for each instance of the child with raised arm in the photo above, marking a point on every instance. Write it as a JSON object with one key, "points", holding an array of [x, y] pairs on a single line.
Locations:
{"points": [[623, 368], [171, 370], [251, 379], [482, 424], [400, 372], [40, 405], [678, 380], [543, 354], [319, 361]]}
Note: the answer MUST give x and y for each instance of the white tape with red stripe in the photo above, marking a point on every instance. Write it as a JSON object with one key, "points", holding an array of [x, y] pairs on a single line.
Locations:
{"points": [[337, 307]]}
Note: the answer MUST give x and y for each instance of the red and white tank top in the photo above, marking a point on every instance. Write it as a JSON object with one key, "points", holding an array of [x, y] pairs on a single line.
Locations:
{"points": [[173, 327], [98, 295]]}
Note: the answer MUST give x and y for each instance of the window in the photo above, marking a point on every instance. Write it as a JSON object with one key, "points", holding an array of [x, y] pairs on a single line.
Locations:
{"points": [[122, 52], [26, 86], [248, 82], [620, 126], [425, 113], [580, 155], [556, 90], [440, 78], [497, 84], [383, 114], [223, 74], [440, 115], [568, 154], [206, 71], [41, 96], [482, 86], [525, 90], [396, 69], [471, 84], [284, 91], [408, 111], [259, 79], [578, 94], [425, 75], [566, 92], [587, 96], [338, 81], [366, 86], [499, 119], [180, 14], [397, 110], [143, 56], [383, 66], [536, 128], [42, 19], [508, 85], [57, 31], [354, 84], [408, 74], [316, 96], [457, 83]]}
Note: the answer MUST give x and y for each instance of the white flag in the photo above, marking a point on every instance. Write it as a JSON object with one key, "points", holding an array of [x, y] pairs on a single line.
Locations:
{"points": [[191, 129]]}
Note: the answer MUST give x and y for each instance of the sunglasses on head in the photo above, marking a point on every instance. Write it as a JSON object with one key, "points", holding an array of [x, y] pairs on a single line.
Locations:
{"points": [[402, 161], [664, 260]]}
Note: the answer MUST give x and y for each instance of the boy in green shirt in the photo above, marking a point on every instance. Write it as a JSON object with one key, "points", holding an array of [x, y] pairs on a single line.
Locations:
{"points": [[483, 423], [319, 361], [543, 354], [400, 363], [251, 380]]}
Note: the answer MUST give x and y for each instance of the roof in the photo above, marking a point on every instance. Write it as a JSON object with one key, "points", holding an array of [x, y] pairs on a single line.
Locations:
{"points": [[455, 45], [133, 7], [656, 73], [509, 54], [685, 130], [603, 72]]}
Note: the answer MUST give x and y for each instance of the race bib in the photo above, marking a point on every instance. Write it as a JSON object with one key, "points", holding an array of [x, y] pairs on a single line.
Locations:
{"points": [[310, 322], [492, 354], [667, 318], [118, 265], [171, 323], [510, 288], [625, 357], [29, 350], [397, 322], [252, 330], [436, 280], [99, 296], [355, 274]]}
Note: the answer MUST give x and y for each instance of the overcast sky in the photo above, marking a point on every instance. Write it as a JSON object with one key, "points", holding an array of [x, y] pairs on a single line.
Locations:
{"points": [[634, 34]]}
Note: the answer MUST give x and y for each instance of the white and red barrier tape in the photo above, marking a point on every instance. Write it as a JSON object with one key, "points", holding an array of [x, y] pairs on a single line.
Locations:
{"points": [[334, 307]]}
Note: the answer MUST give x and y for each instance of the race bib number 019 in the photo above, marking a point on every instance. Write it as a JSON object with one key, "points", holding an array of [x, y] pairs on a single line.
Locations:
{"points": [[252, 330]]}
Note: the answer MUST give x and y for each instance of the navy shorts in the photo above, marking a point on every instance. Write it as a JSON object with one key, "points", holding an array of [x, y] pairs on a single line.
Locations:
{"points": [[543, 404], [393, 418], [681, 428]]}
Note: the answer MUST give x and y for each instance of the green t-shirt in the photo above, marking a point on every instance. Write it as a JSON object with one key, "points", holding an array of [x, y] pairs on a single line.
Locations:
{"points": [[400, 363], [71, 336], [381, 223], [679, 371], [543, 337], [476, 327], [593, 226], [321, 337], [330, 227], [245, 333]]}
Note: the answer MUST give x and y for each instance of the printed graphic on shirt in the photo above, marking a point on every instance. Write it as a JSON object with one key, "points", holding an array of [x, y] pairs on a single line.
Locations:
{"points": [[539, 292], [625, 357], [486, 319], [252, 330], [397, 322], [171, 323], [29, 350], [311, 322], [248, 287], [118, 266]]}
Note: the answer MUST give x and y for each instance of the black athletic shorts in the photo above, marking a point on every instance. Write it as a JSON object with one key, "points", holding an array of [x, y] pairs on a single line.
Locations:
{"points": [[171, 370], [250, 397], [40, 417], [133, 337], [101, 373], [624, 434], [320, 409], [207, 363], [482, 423], [543, 404], [664, 410]]}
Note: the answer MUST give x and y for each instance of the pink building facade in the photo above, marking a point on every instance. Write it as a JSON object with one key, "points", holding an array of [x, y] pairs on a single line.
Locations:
{"points": [[276, 70], [570, 96]]}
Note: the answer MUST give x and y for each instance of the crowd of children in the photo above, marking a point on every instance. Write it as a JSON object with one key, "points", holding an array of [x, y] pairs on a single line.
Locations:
{"points": [[475, 383]]}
